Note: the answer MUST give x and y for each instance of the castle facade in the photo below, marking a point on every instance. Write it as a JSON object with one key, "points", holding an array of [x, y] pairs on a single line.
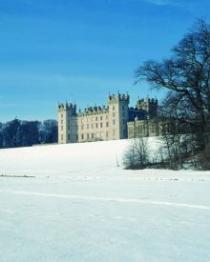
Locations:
{"points": [[115, 121]]}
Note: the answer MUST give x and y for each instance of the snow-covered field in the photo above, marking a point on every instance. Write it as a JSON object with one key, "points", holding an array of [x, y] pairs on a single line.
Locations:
{"points": [[76, 203]]}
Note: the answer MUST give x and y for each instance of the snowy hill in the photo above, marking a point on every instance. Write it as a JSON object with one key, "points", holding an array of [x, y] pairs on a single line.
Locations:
{"points": [[81, 205], [62, 159], [67, 159]]}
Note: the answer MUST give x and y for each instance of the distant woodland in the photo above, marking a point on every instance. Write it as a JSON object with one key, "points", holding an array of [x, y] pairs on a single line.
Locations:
{"points": [[18, 133]]}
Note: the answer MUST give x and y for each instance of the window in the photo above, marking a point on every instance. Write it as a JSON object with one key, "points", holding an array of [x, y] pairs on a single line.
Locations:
{"points": [[101, 125], [96, 125], [113, 114], [61, 121], [82, 136], [101, 118], [61, 115], [87, 126], [107, 124], [96, 118], [88, 136], [113, 108], [82, 127], [92, 135], [61, 128], [113, 122]]}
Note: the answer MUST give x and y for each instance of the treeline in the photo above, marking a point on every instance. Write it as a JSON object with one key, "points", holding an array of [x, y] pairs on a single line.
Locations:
{"points": [[18, 133]]}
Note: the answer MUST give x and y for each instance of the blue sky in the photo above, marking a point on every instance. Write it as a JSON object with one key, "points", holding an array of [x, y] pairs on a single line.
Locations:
{"points": [[82, 50]]}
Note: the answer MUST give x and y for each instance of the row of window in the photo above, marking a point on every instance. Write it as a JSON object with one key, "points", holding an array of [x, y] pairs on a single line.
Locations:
{"points": [[96, 125], [92, 125], [101, 117], [97, 118], [92, 135], [113, 115]]}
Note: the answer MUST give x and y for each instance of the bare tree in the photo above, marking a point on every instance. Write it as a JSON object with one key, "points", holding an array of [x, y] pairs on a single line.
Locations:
{"points": [[137, 157], [186, 75]]}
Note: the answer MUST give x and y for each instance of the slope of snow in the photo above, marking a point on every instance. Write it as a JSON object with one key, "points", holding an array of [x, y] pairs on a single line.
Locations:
{"points": [[82, 206], [67, 159]]}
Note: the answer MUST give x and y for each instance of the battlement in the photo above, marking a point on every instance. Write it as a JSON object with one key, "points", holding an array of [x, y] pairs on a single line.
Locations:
{"points": [[149, 106], [71, 108], [147, 101], [93, 110], [67, 107], [118, 98]]}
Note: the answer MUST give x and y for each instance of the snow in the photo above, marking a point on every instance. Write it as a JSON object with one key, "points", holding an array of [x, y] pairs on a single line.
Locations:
{"points": [[77, 203]]}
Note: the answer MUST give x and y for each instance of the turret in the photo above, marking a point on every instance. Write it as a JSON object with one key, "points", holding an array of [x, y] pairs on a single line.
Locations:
{"points": [[118, 115], [67, 113], [112, 99], [148, 106]]}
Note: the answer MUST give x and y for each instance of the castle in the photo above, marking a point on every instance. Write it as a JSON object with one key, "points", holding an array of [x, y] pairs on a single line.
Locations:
{"points": [[115, 121]]}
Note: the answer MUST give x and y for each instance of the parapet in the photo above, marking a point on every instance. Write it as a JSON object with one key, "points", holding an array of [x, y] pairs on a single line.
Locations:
{"points": [[147, 101], [93, 110], [72, 108], [118, 98]]}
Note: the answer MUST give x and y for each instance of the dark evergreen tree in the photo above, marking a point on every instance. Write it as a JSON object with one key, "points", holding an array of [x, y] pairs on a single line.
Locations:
{"points": [[17, 133]]}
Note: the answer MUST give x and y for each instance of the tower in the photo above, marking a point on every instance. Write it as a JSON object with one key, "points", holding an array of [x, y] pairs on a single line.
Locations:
{"points": [[67, 123], [148, 106], [118, 116]]}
